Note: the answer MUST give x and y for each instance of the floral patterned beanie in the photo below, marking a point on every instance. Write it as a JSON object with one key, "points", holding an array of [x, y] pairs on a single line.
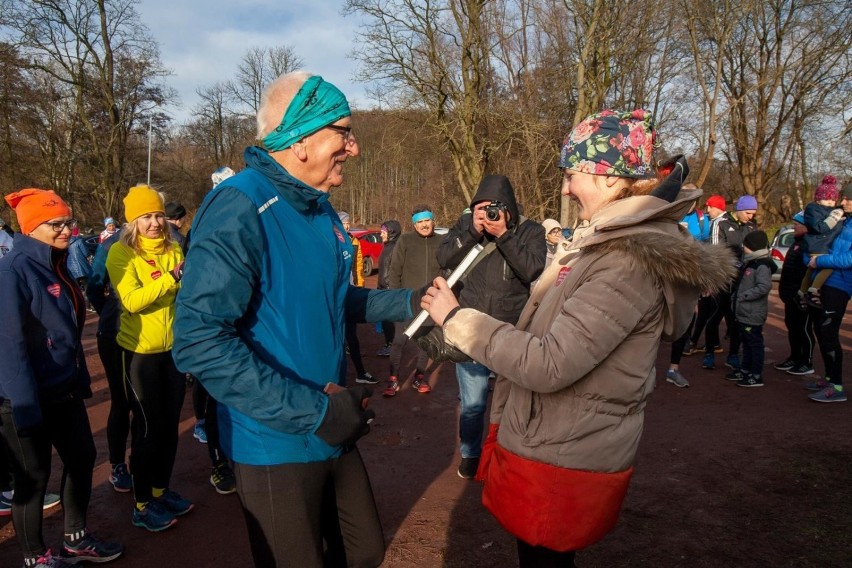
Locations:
{"points": [[613, 143]]}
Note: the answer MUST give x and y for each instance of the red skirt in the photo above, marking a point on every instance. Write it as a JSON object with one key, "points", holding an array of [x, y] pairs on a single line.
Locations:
{"points": [[546, 505]]}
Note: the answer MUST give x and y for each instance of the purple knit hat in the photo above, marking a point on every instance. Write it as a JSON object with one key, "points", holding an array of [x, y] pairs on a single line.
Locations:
{"points": [[613, 143], [828, 189]]}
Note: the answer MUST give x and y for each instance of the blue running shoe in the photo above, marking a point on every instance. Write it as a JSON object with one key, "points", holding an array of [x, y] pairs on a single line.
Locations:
{"points": [[199, 433], [832, 393], [709, 361], [90, 549], [174, 503], [733, 362], [153, 517], [120, 478]]}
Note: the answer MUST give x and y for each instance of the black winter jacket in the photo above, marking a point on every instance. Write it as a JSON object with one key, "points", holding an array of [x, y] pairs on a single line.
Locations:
{"points": [[792, 271], [499, 285], [394, 230]]}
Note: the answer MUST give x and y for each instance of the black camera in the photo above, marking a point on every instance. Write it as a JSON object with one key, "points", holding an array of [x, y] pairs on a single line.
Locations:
{"points": [[492, 210]]}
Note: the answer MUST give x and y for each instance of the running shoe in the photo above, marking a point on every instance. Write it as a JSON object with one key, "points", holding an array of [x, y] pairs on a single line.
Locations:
{"points": [[90, 549], [832, 393], [676, 378], [174, 503], [199, 433], [120, 478], [420, 384], [48, 560], [367, 379], [153, 517], [750, 381], [392, 388], [223, 480], [785, 365]]}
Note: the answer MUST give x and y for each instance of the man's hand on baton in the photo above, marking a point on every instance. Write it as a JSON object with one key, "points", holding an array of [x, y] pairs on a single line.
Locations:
{"points": [[439, 301]]}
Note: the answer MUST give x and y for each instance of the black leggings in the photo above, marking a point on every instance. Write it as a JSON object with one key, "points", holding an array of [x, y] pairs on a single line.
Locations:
{"points": [[156, 390], [397, 347], [827, 328], [530, 556], [206, 407], [711, 333], [65, 427], [118, 423], [354, 346], [800, 333], [311, 515]]}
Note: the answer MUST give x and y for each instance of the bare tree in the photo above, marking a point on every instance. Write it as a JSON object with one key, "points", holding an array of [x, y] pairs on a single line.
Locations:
{"points": [[259, 66], [101, 50], [784, 61]]}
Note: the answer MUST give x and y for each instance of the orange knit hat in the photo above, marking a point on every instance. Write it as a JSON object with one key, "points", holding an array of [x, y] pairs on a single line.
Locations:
{"points": [[35, 206]]}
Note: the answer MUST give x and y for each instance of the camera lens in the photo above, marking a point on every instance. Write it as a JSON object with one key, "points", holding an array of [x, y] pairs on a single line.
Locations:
{"points": [[492, 213]]}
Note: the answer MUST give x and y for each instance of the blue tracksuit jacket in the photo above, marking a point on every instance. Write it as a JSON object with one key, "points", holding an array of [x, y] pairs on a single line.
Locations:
{"points": [[260, 313]]}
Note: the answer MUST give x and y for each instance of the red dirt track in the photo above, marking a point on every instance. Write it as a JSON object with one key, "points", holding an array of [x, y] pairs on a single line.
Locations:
{"points": [[725, 476]]}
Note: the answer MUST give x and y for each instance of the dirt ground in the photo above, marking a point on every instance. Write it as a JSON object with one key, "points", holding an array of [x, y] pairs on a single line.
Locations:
{"points": [[725, 476]]}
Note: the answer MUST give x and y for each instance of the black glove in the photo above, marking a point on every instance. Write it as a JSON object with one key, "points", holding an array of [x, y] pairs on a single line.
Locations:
{"points": [[177, 271], [431, 341], [416, 296], [346, 419]]}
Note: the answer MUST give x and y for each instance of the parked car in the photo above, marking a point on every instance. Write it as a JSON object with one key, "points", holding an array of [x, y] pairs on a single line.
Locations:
{"points": [[780, 244], [371, 247]]}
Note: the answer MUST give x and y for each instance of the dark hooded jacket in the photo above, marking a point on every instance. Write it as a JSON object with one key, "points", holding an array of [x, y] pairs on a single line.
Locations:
{"points": [[499, 285], [394, 230]]}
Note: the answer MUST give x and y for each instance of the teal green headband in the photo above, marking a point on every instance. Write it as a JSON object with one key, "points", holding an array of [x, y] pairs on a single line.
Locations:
{"points": [[317, 104], [422, 216]]}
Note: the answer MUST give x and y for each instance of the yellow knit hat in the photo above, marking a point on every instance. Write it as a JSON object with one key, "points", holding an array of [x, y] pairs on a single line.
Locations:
{"points": [[142, 199]]}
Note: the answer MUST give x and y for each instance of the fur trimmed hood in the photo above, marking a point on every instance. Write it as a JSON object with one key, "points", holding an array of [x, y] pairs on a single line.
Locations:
{"points": [[647, 229]]}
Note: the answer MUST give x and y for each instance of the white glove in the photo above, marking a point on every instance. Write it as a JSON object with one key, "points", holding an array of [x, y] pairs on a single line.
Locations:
{"points": [[837, 214]]}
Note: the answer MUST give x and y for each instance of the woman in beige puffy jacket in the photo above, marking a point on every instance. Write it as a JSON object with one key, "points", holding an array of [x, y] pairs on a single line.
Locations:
{"points": [[574, 374]]}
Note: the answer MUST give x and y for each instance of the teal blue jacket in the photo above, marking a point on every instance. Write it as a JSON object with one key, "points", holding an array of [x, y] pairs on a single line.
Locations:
{"points": [[261, 310]]}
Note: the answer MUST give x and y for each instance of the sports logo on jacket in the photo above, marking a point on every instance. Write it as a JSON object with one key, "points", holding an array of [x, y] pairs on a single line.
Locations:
{"points": [[54, 290], [338, 234], [563, 274], [151, 262], [156, 274]]}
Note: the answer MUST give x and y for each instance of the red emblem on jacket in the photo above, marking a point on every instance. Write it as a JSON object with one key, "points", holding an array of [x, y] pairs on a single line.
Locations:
{"points": [[563, 274], [151, 262], [156, 274], [339, 235], [54, 290]]}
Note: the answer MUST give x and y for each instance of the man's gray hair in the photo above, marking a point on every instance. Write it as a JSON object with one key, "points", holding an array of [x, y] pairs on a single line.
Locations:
{"points": [[275, 99]]}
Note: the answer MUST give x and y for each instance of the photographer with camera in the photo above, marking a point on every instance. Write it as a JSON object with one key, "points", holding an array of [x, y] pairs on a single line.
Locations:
{"points": [[498, 285]]}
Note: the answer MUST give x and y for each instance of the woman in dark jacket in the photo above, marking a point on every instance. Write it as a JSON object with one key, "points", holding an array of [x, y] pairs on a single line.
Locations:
{"points": [[391, 229], [44, 379]]}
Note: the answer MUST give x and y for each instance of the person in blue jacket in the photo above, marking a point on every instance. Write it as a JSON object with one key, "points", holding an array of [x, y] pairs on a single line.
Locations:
{"points": [[105, 302], [43, 381], [260, 322], [835, 296]]}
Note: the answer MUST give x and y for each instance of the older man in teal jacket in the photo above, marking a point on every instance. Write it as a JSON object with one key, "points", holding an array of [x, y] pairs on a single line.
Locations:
{"points": [[260, 322]]}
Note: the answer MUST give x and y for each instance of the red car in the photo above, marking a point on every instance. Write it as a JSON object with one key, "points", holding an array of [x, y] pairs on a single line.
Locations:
{"points": [[371, 247]]}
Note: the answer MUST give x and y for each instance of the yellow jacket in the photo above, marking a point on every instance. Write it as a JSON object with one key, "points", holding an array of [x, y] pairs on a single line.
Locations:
{"points": [[146, 290], [357, 263]]}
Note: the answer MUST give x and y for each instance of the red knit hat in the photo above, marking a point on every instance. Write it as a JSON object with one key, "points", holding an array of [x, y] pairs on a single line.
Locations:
{"points": [[827, 190], [716, 201], [35, 206]]}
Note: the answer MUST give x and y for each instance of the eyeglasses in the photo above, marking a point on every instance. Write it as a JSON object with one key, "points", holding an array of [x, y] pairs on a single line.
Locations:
{"points": [[348, 136], [556, 230], [58, 226]]}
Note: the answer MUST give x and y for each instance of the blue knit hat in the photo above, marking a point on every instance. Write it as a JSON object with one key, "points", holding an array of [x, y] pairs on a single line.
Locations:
{"points": [[746, 203], [799, 217]]}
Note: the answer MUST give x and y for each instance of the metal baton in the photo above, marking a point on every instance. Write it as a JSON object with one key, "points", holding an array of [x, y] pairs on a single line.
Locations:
{"points": [[451, 280]]}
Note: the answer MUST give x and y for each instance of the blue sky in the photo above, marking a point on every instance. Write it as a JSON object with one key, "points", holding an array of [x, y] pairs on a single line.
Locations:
{"points": [[202, 42]]}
